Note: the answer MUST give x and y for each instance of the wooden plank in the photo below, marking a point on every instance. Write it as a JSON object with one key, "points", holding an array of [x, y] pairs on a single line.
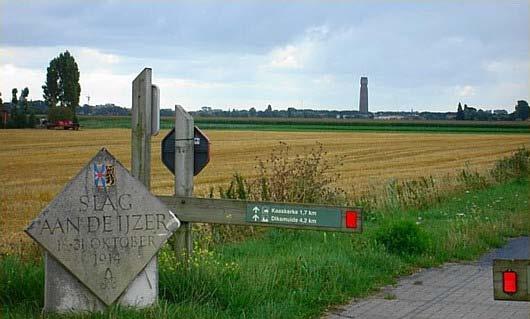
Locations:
{"points": [[234, 212], [521, 267], [183, 174]]}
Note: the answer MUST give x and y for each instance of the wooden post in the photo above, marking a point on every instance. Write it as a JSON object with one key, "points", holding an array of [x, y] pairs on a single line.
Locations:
{"points": [[144, 288], [183, 174], [141, 127]]}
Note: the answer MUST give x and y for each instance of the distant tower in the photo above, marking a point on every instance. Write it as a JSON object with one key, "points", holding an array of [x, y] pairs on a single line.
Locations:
{"points": [[363, 96]]}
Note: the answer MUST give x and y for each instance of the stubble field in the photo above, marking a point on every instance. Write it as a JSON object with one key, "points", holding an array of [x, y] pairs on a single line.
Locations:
{"points": [[36, 164]]}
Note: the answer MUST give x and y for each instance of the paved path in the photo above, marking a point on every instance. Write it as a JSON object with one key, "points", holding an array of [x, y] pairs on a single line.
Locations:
{"points": [[452, 291]]}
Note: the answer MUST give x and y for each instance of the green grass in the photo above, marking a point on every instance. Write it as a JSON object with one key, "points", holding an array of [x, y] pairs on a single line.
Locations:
{"points": [[272, 124], [299, 274]]}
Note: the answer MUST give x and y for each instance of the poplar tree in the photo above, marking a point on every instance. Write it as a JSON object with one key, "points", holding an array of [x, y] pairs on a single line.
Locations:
{"points": [[62, 88], [460, 112]]}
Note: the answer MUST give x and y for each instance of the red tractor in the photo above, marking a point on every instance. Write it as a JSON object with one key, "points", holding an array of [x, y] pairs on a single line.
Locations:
{"points": [[64, 124]]}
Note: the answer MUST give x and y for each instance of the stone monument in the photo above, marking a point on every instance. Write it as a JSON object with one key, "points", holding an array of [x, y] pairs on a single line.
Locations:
{"points": [[104, 227]]}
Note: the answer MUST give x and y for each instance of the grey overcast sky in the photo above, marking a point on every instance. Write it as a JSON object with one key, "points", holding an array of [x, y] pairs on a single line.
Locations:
{"points": [[425, 55]]}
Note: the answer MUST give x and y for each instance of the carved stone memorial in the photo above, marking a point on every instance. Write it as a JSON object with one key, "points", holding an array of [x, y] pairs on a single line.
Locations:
{"points": [[104, 227]]}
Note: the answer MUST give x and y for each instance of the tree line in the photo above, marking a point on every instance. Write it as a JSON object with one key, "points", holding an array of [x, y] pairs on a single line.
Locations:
{"points": [[467, 113], [20, 114]]}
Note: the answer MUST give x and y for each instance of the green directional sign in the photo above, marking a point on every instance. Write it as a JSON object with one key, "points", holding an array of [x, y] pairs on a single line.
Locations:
{"points": [[302, 215]]}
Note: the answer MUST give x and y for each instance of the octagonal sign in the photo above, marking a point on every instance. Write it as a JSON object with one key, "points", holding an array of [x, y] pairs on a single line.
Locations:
{"points": [[104, 227]]}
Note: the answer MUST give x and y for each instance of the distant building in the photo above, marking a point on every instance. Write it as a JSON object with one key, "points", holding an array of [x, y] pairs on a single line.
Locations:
{"points": [[363, 96], [500, 112], [4, 115], [390, 117]]}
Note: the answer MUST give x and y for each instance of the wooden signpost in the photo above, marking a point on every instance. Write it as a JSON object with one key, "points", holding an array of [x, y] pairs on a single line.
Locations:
{"points": [[283, 215], [102, 232]]}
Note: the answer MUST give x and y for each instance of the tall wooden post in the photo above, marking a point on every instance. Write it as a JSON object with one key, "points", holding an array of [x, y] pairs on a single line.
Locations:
{"points": [[183, 174], [141, 127], [144, 289]]}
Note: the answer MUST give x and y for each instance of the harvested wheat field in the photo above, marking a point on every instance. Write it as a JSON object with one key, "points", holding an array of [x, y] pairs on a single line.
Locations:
{"points": [[36, 164]]}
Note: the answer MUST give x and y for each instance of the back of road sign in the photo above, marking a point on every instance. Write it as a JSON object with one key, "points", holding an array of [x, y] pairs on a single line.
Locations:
{"points": [[201, 151], [511, 279]]}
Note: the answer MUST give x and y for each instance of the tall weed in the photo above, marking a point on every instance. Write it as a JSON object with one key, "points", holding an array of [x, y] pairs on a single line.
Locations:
{"points": [[426, 191], [282, 177], [512, 167]]}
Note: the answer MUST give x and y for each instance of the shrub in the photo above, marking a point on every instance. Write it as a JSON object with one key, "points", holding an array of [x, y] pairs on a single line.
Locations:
{"points": [[402, 237], [283, 177], [288, 177], [472, 179], [513, 167]]}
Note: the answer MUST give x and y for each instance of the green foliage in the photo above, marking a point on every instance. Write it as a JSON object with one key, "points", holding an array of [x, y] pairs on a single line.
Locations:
{"points": [[427, 191], [298, 178], [460, 112], [14, 98], [237, 189], [283, 177], [402, 237], [24, 99], [32, 120], [522, 110], [21, 282], [288, 177], [323, 125], [471, 179], [20, 115], [408, 193], [512, 167], [62, 88], [59, 113]]}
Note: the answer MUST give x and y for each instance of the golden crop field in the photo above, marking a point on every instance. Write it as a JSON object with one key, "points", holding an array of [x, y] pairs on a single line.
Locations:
{"points": [[36, 164]]}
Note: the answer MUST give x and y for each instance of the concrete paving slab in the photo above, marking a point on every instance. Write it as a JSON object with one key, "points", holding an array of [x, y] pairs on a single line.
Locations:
{"points": [[453, 291]]}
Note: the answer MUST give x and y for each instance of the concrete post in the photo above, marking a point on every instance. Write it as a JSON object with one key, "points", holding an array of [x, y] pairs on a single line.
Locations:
{"points": [[183, 174]]}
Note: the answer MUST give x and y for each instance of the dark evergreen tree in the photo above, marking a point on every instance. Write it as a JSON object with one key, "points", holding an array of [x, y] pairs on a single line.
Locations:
{"points": [[14, 102], [32, 120], [460, 112], [24, 99], [14, 120], [23, 111]]}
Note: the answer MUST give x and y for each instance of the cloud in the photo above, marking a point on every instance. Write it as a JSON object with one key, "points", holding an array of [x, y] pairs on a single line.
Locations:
{"points": [[229, 54], [288, 57], [106, 87], [324, 79], [176, 83], [94, 56], [507, 68], [12, 76], [465, 91]]}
